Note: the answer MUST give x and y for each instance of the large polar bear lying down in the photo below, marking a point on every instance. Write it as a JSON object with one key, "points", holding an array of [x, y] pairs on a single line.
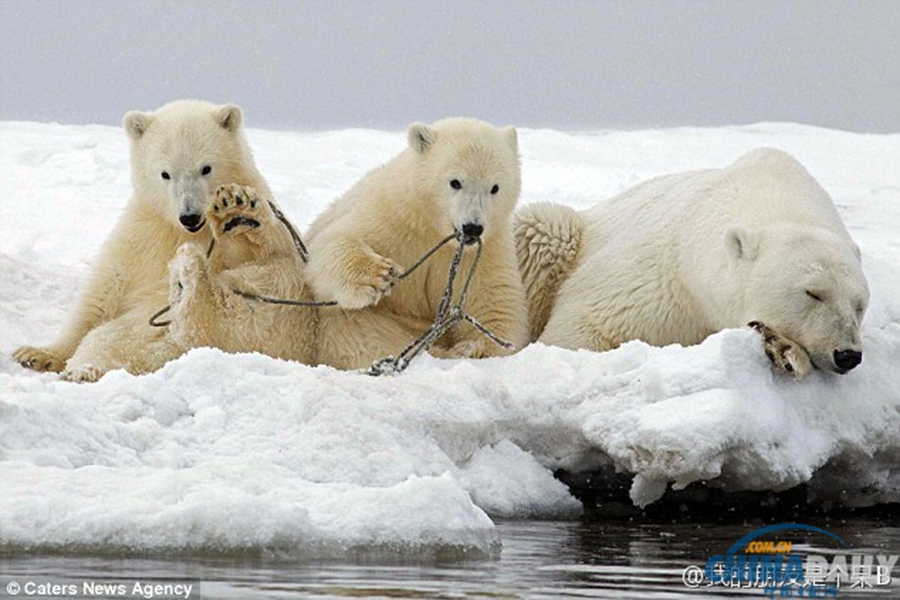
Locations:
{"points": [[682, 256]]}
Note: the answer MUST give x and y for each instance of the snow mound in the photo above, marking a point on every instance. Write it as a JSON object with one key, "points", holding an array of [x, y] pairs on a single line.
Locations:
{"points": [[220, 453]]}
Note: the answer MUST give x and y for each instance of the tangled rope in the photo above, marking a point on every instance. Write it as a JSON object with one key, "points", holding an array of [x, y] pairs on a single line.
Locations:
{"points": [[447, 316]]}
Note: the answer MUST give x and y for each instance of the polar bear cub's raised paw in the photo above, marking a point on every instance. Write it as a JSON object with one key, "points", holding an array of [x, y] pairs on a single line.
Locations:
{"points": [[190, 263], [236, 209]]}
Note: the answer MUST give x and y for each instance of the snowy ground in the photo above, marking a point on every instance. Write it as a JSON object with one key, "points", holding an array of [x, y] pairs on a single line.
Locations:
{"points": [[218, 453]]}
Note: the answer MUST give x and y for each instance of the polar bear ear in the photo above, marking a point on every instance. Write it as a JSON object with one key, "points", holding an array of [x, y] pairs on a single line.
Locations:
{"points": [[512, 138], [421, 137], [229, 116], [741, 244], [136, 123]]}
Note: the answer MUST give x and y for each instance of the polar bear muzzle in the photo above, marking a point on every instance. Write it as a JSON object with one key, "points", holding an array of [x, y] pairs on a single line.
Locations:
{"points": [[846, 360], [471, 232], [190, 195], [193, 222]]}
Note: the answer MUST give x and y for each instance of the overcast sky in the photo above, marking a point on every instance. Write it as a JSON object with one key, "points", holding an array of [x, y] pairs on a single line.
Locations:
{"points": [[555, 63]]}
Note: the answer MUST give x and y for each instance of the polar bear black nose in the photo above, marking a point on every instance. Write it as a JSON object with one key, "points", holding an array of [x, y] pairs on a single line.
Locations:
{"points": [[191, 221], [472, 230], [847, 359]]}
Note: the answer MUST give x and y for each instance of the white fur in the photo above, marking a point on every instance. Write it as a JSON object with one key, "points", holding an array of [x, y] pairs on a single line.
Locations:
{"points": [[681, 256], [548, 242], [261, 260], [108, 329], [384, 223]]}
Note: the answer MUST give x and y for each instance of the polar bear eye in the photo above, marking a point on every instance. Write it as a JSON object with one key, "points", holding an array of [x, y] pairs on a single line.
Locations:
{"points": [[495, 189], [814, 296], [455, 184], [206, 170], [165, 175]]}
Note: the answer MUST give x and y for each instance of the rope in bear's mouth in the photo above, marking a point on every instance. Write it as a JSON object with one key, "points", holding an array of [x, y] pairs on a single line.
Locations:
{"points": [[447, 316]]}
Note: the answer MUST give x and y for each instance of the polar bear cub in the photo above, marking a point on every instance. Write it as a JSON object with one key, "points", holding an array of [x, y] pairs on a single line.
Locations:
{"points": [[180, 154], [456, 175], [682, 256]]}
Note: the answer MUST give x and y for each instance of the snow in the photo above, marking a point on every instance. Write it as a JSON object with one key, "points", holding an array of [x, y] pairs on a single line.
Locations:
{"points": [[218, 453]]}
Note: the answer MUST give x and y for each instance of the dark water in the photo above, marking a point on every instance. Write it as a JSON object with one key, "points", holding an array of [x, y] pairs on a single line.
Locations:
{"points": [[540, 559]]}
